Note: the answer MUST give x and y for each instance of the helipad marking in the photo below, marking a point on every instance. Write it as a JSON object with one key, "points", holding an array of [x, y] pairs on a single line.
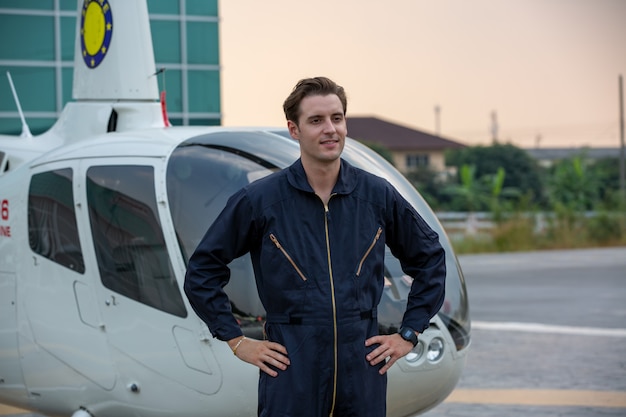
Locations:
{"points": [[8, 410], [540, 397]]}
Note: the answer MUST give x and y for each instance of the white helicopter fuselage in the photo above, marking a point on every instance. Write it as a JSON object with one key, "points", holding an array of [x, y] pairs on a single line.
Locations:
{"points": [[98, 216]]}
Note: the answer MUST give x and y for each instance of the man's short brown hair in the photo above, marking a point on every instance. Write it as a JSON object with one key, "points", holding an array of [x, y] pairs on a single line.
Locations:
{"points": [[316, 86]]}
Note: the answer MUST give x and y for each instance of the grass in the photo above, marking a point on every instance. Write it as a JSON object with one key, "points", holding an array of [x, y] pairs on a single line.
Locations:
{"points": [[564, 231]]}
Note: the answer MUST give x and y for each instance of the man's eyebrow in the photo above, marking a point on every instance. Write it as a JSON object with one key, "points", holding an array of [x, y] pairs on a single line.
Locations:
{"points": [[317, 116]]}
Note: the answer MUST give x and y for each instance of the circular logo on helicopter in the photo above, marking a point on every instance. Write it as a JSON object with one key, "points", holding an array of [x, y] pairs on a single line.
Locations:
{"points": [[96, 30]]}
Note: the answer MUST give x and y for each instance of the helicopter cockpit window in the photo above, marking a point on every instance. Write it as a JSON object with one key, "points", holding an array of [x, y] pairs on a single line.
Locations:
{"points": [[52, 231], [200, 179], [130, 247]]}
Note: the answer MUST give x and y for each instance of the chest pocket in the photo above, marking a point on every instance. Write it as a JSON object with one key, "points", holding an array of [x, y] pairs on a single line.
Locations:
{"points": [[368, 251], [288, 257]]}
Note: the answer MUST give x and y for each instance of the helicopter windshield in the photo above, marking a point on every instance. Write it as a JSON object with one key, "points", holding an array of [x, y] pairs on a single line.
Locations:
{"points": [[203, 172]]}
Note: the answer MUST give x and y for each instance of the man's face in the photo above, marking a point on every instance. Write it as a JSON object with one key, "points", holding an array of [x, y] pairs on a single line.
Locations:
{"points": [[321, 128]]}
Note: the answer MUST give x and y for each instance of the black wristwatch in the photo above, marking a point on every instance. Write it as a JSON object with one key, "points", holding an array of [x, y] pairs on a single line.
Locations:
{"points": [[408, 334]]}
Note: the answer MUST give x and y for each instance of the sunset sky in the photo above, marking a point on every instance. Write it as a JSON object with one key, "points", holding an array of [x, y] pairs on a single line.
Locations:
{"points": [[549, 69]]}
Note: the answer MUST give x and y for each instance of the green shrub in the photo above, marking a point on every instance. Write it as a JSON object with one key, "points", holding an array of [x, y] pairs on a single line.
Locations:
{"points": [[604, 229], [565, 230]]}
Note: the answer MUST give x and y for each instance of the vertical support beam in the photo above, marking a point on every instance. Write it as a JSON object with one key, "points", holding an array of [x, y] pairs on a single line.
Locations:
{"points": [[622, 163]]}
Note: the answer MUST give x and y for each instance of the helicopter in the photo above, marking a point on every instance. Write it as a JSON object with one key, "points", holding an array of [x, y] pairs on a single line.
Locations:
{"points": [[98, 218]]}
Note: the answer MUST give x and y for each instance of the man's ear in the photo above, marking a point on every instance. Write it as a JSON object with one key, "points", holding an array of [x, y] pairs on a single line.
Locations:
{"points": [[294, 131]]}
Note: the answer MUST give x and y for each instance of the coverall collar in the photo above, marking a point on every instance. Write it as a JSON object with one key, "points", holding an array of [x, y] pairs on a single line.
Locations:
{"points": [[346, 182]]}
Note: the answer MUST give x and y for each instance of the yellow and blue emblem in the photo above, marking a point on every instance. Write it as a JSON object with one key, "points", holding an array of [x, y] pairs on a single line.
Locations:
{"points": [[96, 30]]}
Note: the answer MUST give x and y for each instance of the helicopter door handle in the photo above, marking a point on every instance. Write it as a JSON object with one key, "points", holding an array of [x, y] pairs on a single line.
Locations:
{"points": [[111, 301]]}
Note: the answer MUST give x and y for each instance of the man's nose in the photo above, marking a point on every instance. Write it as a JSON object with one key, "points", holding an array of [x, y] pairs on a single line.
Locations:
{"points": [[329, 126]]}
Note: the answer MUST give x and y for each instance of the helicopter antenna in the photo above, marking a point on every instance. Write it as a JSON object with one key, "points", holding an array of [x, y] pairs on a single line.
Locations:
{"points": [[25, 130]]}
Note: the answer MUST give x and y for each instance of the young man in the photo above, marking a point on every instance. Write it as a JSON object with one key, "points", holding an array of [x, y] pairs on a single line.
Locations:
{"points": [[316, 232]]}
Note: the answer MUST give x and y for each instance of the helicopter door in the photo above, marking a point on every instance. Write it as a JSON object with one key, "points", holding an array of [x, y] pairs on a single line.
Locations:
{"points": [[56, 285], [145, 317]]}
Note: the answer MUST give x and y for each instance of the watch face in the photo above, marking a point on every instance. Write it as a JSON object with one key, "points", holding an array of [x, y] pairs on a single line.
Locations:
{"points": [[409, 335]]}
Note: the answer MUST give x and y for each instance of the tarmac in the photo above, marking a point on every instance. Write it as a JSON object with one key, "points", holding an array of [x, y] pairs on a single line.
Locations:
{"points": [[548, 336]]}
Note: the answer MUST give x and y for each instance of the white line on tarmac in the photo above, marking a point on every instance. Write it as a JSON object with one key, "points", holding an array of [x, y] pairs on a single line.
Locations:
{"points": [[547, 328]]}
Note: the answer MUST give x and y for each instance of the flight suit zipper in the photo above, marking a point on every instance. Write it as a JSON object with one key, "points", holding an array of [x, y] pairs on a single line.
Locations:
{"points": [[334, 306], [289, 258], [378, 233]]}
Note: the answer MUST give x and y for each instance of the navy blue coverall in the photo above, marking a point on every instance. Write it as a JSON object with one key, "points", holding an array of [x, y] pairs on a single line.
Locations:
{"points": [[319, 274]]}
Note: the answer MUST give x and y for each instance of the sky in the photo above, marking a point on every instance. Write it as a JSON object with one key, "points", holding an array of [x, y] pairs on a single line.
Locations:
{"points": [[545, 73]]}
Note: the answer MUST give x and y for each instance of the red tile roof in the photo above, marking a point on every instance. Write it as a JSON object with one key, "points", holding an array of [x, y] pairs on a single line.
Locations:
{"points": [[394, 136]]}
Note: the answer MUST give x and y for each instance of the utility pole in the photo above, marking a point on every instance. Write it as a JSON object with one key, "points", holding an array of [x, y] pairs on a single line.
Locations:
{"points": [[494, 127], [622, 163], [437, 126]]}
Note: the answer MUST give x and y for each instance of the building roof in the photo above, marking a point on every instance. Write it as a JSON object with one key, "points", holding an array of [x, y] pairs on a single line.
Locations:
{"points": [[564, 153], [395, 137]]}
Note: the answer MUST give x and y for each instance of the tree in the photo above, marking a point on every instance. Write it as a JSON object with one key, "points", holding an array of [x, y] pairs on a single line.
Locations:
{"points": [[522, 171], [481, 194], [430, 184], [381, 150], [606, 171], [573, 185]]}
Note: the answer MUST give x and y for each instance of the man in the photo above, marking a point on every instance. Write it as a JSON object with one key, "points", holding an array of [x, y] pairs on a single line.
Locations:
{"points": [[316, 232]]}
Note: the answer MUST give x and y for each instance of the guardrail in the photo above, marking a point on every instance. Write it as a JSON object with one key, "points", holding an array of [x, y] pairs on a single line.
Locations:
{"points": [[461, 223]]}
